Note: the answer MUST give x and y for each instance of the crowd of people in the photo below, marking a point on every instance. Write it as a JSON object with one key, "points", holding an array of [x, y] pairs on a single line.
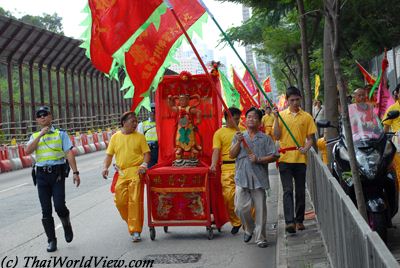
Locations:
{"points": [[242, 154], [243, 157]]}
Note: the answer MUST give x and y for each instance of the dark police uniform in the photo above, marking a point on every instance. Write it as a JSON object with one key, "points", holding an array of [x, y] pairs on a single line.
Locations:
{"points": [[50, 178]]}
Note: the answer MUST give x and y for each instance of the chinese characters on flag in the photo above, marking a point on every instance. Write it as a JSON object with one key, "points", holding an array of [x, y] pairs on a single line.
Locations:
{"points": [[147, 54]]}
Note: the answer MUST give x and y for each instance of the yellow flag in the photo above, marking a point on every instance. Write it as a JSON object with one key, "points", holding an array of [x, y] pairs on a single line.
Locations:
{"points": [[317, 84]]}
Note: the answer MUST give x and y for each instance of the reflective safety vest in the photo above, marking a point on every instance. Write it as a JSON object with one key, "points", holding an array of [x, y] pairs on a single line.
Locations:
{"points": [[49, 147], [149, 131]]}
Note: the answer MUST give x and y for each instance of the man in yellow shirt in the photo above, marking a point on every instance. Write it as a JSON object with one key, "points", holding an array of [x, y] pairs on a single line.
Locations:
{"points": [[222, 141], [268, 121], [132, 155], [292, 164], [394, 125]]}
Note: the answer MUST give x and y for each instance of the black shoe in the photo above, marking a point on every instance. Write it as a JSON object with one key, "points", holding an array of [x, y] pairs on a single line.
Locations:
{"points": [[52, 246], [66, 223], [247, 238], [48, 225], [235, 229]]}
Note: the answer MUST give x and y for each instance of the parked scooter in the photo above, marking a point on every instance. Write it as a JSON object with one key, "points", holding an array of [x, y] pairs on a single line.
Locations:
{"points": [[374, 154]]}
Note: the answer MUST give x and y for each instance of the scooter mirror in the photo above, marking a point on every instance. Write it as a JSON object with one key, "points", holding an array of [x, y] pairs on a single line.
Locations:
{"points": [[392, 115], [324, 123]]}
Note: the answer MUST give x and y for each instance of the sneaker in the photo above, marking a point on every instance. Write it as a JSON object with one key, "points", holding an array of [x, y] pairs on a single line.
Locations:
{"points": [[300, 226], [262, 244], [235, 229], [136, 237], [290, 228]]}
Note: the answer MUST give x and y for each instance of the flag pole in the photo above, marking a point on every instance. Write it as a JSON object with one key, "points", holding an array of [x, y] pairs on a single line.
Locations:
{"points": [[169, 5], [248, 69]]}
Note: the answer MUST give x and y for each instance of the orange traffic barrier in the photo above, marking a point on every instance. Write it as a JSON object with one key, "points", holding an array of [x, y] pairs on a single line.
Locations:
{"points": [[85, 144], [13, 156], [106, 139], [25, 159], [90, 142], [78, 144], [74, 149], [5, 163], [98, 139]]}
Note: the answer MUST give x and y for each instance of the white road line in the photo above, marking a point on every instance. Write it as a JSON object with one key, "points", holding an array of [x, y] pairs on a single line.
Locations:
{"points": [[11, 188]]}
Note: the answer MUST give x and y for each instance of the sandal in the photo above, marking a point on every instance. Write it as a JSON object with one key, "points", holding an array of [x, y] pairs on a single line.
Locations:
{"points": [[262, 244]]}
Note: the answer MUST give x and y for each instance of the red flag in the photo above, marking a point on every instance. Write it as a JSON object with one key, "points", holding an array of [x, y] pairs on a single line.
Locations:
{"points": [[267, 85], [384, 98], [246, 100], [248, 81], [147, 54], [113, 23], [368, 77]]}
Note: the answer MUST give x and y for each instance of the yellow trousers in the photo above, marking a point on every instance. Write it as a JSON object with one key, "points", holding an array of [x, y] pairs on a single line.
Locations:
{"points": [[396, 166], [228, 192], [129, 198]]}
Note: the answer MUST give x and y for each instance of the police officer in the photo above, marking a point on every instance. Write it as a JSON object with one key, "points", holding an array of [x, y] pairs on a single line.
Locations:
{"points": [[148, 129], [52, 146]]}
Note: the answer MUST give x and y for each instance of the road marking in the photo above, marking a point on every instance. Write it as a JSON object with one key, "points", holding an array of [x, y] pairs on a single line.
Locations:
{"points": [[11, 188]]}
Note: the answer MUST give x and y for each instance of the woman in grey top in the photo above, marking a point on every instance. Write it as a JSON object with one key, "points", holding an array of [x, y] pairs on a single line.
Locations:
{"points": [[251, 176]]}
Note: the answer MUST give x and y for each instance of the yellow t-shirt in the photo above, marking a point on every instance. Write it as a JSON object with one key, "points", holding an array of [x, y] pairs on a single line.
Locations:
{"points": [[267, 122], [301, 125], [393, 123], [128, 149], [222, 140]]}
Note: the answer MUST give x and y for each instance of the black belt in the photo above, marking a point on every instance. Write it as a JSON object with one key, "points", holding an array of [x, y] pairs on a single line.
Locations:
{"points": [[50, 169], [228, 162]]}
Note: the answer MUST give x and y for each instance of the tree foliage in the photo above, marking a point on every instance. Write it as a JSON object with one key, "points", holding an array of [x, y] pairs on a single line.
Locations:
{"points": [[46, 21], [277, 36], [368, 26], [6, 13]]}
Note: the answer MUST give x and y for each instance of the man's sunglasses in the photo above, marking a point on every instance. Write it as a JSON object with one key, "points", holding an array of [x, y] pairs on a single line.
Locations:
{"points": [[42, 115]]}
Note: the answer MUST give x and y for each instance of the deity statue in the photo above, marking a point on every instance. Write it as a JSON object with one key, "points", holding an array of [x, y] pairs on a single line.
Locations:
{"points": [[188, 119]]}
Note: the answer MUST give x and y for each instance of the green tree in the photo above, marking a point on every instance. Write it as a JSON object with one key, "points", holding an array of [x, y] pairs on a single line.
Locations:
{"points": [[6, 13], [46, 21], [276, 24], [49, 22], [279, 40]]}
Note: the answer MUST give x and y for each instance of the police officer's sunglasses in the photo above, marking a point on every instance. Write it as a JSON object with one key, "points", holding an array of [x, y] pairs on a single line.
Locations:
{"points": [[40, 115]]}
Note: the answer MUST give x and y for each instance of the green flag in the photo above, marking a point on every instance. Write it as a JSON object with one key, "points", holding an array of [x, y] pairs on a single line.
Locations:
{"points": [[231, 95]]}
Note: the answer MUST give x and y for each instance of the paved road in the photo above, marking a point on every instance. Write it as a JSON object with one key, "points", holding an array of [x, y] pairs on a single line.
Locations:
{"points": [[394, 237], [100, 232]]}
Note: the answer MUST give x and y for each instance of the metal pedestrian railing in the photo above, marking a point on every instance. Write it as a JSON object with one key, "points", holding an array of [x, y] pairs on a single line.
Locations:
{"points": [[348, 238]]}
